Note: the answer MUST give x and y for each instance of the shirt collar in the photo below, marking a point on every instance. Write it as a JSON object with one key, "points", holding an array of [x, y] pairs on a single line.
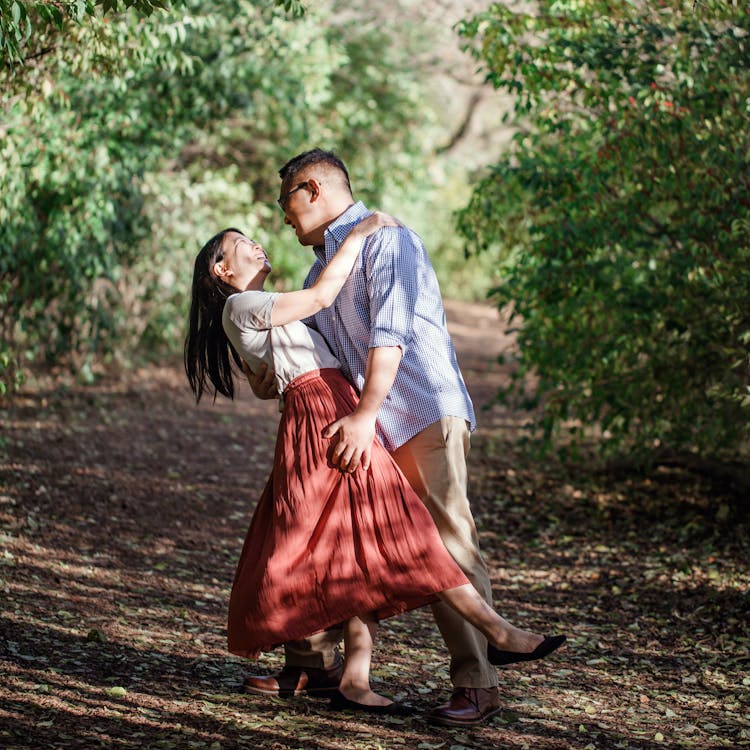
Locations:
{"points": [[337, 230]]}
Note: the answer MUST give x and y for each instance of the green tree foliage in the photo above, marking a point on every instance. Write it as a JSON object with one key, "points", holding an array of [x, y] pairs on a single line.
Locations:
{"points": [[624, 214], [20, 19], [129, 137]]}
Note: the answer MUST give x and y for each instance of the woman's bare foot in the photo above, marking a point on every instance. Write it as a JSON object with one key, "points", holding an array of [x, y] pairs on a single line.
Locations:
{"points": [[511, 638], [363, 695]]}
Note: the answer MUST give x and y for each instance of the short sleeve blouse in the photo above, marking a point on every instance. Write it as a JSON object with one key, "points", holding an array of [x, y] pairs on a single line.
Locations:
{"points": [[290, 350]]}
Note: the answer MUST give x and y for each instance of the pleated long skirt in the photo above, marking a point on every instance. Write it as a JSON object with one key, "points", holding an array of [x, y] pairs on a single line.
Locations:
{"points": [[323, 545]]}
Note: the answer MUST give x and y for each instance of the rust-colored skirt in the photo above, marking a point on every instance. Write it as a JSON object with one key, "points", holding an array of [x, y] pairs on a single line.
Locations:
{"points": [[323, 545]]}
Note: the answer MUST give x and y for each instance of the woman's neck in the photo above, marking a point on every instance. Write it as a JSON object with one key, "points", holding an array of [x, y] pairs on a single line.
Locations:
{"points": [[256, 283]]}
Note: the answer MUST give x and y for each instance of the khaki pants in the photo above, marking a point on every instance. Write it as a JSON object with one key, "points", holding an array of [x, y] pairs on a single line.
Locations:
{"points": [[434, 462]]}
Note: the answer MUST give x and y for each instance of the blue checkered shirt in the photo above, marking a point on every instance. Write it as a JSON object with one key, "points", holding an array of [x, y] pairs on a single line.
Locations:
{"points": [[392, 298]]}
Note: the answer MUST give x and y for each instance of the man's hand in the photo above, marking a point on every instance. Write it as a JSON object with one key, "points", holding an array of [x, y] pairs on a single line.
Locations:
{"points": [[262, 382], [356, 433]]}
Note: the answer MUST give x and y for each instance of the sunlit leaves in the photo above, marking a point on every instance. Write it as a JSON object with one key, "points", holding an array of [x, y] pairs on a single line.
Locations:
{"points": [[624, 211], [129, 138], [19, 19]]}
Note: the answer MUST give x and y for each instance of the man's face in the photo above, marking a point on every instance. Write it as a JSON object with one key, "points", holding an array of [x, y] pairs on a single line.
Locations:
{"points": [[301, 212]]}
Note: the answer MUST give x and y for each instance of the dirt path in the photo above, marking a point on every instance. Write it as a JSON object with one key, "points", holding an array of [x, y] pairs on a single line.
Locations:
{"points": [[122, 514]]}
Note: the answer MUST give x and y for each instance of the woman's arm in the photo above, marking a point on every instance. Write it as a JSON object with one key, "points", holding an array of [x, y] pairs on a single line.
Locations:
{"points": [[292, 306]]}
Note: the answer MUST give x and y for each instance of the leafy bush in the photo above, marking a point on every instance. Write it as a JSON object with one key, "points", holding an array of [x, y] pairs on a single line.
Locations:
{"points": [[623, 217], [131, 137]]}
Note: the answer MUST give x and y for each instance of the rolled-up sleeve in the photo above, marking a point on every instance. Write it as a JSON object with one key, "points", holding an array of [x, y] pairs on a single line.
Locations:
{"points": [[250, 311], [392, 287]]}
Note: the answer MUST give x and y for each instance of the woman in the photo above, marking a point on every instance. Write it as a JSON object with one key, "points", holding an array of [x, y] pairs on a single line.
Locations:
{"points": [[324, 547]]}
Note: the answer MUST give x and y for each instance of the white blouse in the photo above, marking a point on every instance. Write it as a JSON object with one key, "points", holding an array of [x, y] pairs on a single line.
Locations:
{"points": [[290, 350]]}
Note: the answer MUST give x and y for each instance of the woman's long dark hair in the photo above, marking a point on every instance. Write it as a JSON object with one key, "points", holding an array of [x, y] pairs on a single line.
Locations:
{"points": [[208, 352]]}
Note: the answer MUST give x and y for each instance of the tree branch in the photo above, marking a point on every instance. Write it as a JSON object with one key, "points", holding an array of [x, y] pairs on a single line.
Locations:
{"points": [[460, 132], [41, 53]]}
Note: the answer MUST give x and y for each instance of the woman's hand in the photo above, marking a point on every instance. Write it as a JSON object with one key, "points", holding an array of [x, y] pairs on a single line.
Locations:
{"points": [[372, 223]]}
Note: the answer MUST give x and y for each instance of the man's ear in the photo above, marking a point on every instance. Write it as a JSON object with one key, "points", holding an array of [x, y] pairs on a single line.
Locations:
{"points": [[314, 187]]}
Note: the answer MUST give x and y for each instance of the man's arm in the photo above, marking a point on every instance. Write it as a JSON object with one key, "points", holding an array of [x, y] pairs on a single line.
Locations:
{"points": [[263, 382], [356, 431], [392, 288]]}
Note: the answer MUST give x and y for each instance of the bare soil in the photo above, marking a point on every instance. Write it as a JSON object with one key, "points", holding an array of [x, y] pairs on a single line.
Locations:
{"points": [[122, 511]]}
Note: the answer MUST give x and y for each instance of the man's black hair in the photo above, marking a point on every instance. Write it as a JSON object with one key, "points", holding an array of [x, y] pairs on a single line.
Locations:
{"points": [[308, 158]]}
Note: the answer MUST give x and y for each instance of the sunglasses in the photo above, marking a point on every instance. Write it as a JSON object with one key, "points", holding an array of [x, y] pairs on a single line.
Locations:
{"points": [[282, 201]]}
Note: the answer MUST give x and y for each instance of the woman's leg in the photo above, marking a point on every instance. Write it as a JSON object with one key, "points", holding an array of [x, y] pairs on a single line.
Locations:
{"points": [[498, 631], [359, 633]]}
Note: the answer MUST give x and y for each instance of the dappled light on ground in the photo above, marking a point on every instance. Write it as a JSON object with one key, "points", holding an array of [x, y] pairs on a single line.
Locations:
{"points": [[122, 513]]}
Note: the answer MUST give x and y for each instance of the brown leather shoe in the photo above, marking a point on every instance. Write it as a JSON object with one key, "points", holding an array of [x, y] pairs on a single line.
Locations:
{"points": [[466, 707], [295, 681]]}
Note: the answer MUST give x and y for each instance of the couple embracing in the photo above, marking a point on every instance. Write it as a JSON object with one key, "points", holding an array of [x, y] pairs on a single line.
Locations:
{"points": [[366, 513]]}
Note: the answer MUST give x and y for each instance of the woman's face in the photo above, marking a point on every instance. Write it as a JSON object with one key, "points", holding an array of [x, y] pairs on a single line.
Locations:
{"points": [[244, 262]]}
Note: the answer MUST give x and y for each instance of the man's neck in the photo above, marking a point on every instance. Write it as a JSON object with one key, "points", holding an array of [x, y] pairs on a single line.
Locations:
{"points": [[343, 207], [321, 238]]}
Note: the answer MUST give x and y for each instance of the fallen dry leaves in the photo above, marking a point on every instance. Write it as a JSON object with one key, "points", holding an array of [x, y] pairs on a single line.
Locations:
{"points": [[123, 507]]}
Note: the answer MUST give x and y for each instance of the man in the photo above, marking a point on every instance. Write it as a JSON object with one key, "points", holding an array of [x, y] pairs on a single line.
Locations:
{"points": [[388, 330]]}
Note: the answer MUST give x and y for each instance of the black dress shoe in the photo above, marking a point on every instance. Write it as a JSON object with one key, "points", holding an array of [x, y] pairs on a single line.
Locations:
{"points": [[339, 702], [498, 657]]}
